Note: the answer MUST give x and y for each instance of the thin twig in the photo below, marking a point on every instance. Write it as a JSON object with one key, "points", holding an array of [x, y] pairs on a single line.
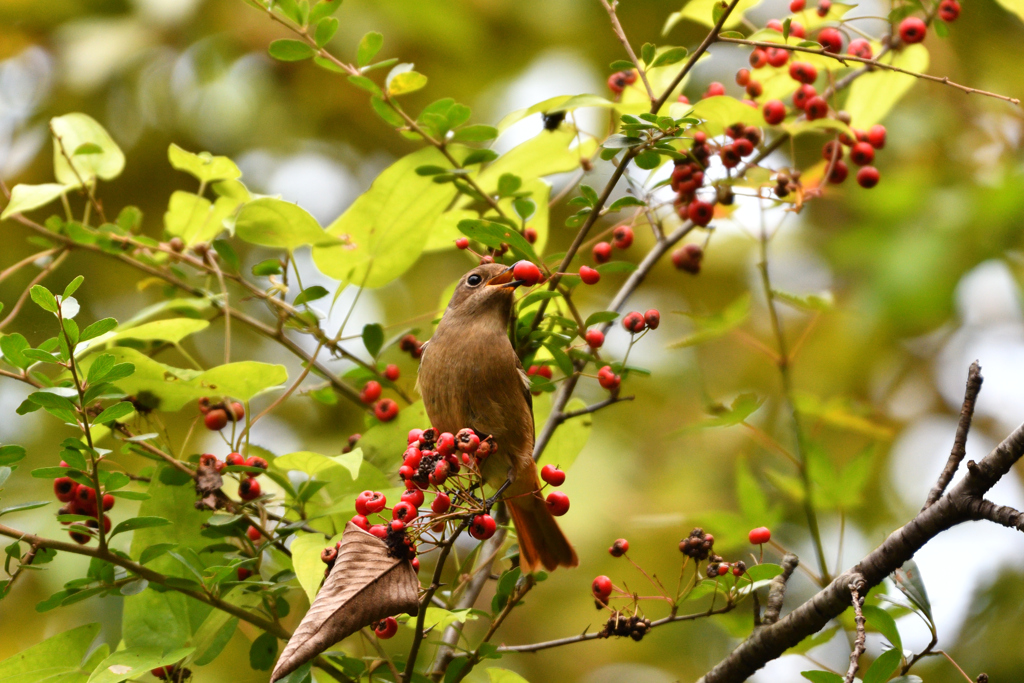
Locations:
{"points": [[621, 35], [861, 639], [49, 268], [956, 455]]}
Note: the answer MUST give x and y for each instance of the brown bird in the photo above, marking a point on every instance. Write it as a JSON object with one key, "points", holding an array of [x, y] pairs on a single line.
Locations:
{"points": [[470, 376]]}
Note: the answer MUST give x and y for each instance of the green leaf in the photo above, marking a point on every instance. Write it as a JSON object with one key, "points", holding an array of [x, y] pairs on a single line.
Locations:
{"points": [[72, 287], [21, 506], [44, 298], [822, 677], [48, 399], [138, 523], [287, 50], [873, 95], [384, 228], [11, 454], [495, 234], [63, 653], [27, 197], [714, 326], [763, 572], [13, 346], [406, 82], [366, 84], [322, 9], [196, 219], [118, 411], [173, 387], [369, 46], [134, 662], [171, 330], [562, 103], [883, 622], [670, 56], [310, 294], [707, 12], [623, 202], [276, 223], [440, 618], [908, 580], [306, 561], [88, 148], [569, 439], [504, 676], [325, 30], [70, 132], [263, 652], [271, 266], [599, 318], [884, 667], [203, 166], [475, 133], [373, 338], [97, 328]]}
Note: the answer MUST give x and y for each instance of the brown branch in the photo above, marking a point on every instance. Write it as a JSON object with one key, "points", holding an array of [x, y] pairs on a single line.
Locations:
{"points": [[956, 456], [860, 641], [870, 64], [777, 590], [964, 502]]}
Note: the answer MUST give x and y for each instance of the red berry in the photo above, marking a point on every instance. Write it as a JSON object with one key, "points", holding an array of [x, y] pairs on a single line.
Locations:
{"points": [[743, 77], [595, 338], [688, 258], [371, 392], [622, 237], [386, 410], [754, 89], [758, 58], [86, 497], [949, 10], [831, 39], [774, 25], [602, 252], [616, 82], [552, 475], [392, 373], [715, 89], [415, 562], [839, 173], [378, 530], [634, 322], [204, 404], [164, 673], [796, 29], [860, 48], [608, 379], [867, 177], [912, 30], [257, 462], [629, 75], [386, 628], [862, 153], [64, 488], [414, 498], [441, 503], [876, 136], [652, 318], [601, 587], [208, 460], [589, 275], [803, 95], [683, 99], [823, 7], [440, 473], [396, 525], [531, 235], [797, 6], [253, 534], [243, 573], [527, 272], [404, 511], [760, 535], [248, 489], [817, 108], [777, 56], [236, 411], [216, 420], [108, 502], [832, 148], [79, 538], [462, 243], [361, 522], [482, 527], [743, 147], [803, 72], [558, 503], [235, 459], [700, 212], [619, 548], [540, 370], [370, 502], [774, 112]]}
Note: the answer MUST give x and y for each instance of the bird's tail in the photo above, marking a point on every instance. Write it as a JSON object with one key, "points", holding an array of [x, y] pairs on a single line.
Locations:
{"points": [[541, 541]]}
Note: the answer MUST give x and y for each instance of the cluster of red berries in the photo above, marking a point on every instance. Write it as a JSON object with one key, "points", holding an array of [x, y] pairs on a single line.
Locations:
{"points": [[248, 487], [622, 238], [411, 345], [80, 499], [721, 568], [618, 81], [540, 371], [217, 415], [384, 409]]}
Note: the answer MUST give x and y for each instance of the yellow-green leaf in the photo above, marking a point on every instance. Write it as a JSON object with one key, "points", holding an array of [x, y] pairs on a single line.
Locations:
{"points": [[874, 94], [27, 197], [273, 222], [204, 166], [70, 132]]}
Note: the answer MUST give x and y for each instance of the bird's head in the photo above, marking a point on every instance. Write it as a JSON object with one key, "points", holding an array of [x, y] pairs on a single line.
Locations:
{"points": [[484, 293]]}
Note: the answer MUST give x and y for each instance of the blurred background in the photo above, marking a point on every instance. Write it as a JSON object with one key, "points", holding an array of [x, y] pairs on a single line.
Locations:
{"points": [[925, 272]]}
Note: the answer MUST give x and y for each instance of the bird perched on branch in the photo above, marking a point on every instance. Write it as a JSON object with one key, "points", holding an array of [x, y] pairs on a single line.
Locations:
{"points": [[470, 376]]}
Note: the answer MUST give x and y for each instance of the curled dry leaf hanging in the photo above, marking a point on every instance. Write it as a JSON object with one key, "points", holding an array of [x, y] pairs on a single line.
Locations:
{"points": [[365, 586]]}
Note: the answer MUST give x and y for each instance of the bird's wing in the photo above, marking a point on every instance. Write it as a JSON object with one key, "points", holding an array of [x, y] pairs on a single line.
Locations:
{"points": [[526, 387]]}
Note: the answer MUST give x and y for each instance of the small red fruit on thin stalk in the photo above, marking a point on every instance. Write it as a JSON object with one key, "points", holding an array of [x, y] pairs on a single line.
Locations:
{"points": [[760, 535], [392, 373], [249, 489], [558, 503], [386, 628], [385, 410], [552, 475], [619, 548], [595, 338], [216, 420], [589, 275], [371, 392], [912, 30]]}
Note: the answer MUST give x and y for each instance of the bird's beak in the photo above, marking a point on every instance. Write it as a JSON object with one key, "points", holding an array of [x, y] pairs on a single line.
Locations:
{"points": [[504, 279]]}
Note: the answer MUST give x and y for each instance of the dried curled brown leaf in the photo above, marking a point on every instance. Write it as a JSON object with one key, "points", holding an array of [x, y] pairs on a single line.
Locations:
{"points": [[364, 586], [208, 483]]}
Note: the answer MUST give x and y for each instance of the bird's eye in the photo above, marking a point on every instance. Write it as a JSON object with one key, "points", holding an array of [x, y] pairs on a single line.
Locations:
{"points": [[473, 280]]}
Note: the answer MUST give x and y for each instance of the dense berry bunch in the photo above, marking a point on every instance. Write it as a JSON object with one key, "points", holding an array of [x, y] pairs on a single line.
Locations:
{"points": [[217, 415], [622, 625], [697, 545]]}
